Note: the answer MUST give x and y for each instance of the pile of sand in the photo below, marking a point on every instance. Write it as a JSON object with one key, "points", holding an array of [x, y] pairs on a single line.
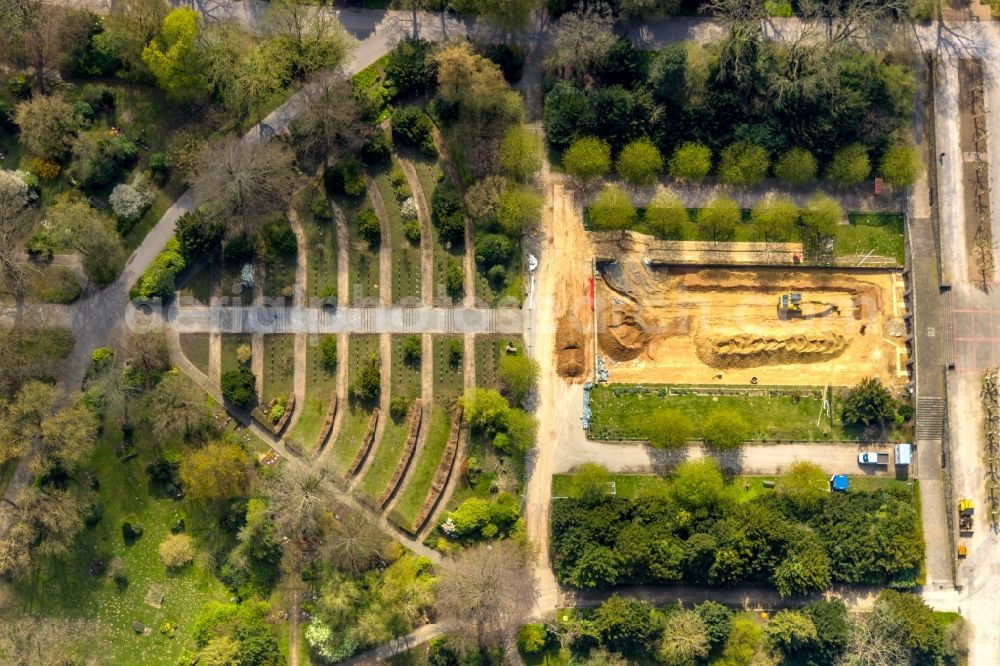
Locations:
{"points": [[570, 343], [622, 335], [742, 350]]}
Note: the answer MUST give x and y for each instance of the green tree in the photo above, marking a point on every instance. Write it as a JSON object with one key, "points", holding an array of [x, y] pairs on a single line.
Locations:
{"points": [[199, 234], [900, 165], [589, 481], [796, 166], [328, 352], [519, 208], [412, 350], [669, 429], [791, 632], [717, 619], [485, 410], [849, 166], [369, 382], [518, 373], [667, 216], [868, 403], [743, 163], [698, 484], [690, 161], [179, 407], [520, 153], [626, 625], [745, 642], [718, 219], [820, 219], [587, 159], [239, 386], [725, 429], [174, 57], [612, 209], [640, 163], [684, 641], [521, 428], [568, 115], [833, 630], [775, 219], [910, 619], [531, 638], [805, 484], [47, 126], [217, 471]]}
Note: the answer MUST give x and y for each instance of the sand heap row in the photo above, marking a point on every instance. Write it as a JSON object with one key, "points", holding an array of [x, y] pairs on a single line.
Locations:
{"points": [[570, 342], [741, 350]]}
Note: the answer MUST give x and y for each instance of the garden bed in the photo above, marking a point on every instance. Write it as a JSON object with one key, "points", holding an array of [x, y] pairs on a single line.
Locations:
{"points": [[357, 415]]}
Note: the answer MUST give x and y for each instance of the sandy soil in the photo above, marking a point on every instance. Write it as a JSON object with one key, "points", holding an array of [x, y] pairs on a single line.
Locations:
{"points": [[691, 325]]}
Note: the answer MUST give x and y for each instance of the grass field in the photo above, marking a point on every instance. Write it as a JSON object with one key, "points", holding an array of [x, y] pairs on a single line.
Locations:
{"points": [[770, 418], [321, 241], [199, 287], [405, 376], [363, 269], [405, 254], [411, 498], [229, 288], [879, 233], [320, 385], [449, 378], [278, 366], [385, 457], [429, 173], [195, 348], [66, 588], [230, 341], [489, 349], [357, 415]]}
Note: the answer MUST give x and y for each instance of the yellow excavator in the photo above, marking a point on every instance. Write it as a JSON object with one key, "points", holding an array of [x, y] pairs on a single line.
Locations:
{"points": [[790, 307]]}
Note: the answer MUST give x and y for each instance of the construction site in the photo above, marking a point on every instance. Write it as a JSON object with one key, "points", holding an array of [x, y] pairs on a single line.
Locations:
{"points": [[783, 325]]}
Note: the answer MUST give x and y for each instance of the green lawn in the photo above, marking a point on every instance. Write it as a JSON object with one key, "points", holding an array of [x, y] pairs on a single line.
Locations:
{"points": [[230, 289], [363, 269], [405, 254], [321, 240], [405, 376], [489, 349], [50, 284], [386, 455], [199, 287], [195, 348], [230, 341], [278, 366], [66, 588], [279, 275], [412, 497], [878, 233], [449, 379], [770, 418], [355, 420], [320, 385], [429, 173]]}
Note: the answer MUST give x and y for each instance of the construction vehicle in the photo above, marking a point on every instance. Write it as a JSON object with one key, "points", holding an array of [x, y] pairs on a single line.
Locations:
{"points": [[873, 458], [963, 551], [966, 509], [790, 307]]}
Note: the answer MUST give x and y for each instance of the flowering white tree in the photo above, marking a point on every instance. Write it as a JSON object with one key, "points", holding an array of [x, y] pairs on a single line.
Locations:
{"points": [[129, 202], [409, 209]]}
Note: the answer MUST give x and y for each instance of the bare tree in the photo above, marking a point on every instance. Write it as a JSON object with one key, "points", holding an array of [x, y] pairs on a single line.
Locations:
{"points": [[300, 500], [179, 407], [44, 522], [243, 181], [737, 12], [487, 593], [310, 34], [851, 20], [582, 38], [331, 126], [355, 545], [31, 37], [146, 350], [875, 640], [42, 641]]}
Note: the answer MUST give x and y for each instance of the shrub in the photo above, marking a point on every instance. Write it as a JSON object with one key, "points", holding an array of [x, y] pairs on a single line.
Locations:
{"points": [[412, 350], [454, 278], [493, 249], [725, 430], [98, 157], [743, 163], [328, 352], [398, 407], [369, 382], [587, 159], [411, 231], [520, 153], [820, 219], [320, 208], [377, 149], [640, 162], [532, 638], [446, 213], [159, 169], [279, 239], [369, 227], [497, 277], [900, 165], [345, 178], [690, 161], [45, 169], [412, 127], [849, 166], [612, 209], [400, 186], [177, 551], [455, 351], [157, 280], [277, 410], [669, 429], [520, 208], [130, 202], [775, 220], [868, 403], [666, 216], [239, 386], [796, 166], [718, 219]]}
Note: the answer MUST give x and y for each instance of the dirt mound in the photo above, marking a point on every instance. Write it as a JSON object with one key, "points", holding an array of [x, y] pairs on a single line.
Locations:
{"points": [[749, 349], [622, 336], [570, 343]]}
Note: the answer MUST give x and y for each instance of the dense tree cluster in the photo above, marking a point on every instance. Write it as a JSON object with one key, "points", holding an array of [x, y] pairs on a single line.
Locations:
{"points": [[696, 531]]}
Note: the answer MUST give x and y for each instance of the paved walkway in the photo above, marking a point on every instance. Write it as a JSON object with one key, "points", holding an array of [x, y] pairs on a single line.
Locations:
{"points": [[266, 320]]}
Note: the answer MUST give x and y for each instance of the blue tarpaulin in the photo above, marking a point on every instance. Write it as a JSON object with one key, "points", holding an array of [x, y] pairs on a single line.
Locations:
{"points": [[839, 483]]}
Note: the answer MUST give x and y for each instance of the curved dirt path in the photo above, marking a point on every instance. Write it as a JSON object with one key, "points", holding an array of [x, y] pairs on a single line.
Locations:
{"points": [[426, 240], [299, 298], [385, 249]]}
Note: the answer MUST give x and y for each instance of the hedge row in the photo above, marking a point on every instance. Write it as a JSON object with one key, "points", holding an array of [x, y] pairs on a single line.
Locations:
{"points": [[324, 434], [366, 444], [443, 470]]}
